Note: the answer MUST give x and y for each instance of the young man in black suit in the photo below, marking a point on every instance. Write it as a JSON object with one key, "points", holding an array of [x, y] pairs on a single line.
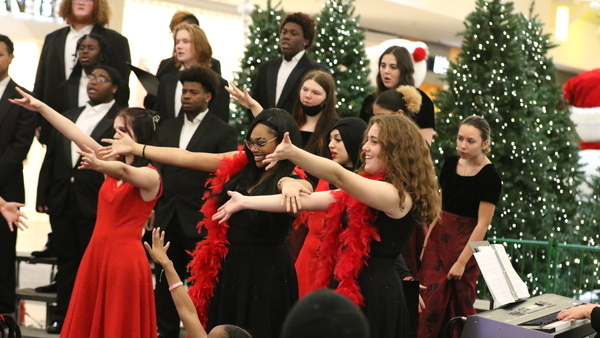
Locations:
{"points": [[278, 81], [17, 126], [177, 211], [58, 55], [70, 195]]}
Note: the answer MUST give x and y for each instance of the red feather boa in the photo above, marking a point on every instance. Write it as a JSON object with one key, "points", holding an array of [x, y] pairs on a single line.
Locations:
{"points": [[208, 256], [344, 251]]}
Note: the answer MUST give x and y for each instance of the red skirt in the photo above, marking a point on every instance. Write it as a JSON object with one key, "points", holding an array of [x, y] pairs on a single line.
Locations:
{"points": [[445, 299]]}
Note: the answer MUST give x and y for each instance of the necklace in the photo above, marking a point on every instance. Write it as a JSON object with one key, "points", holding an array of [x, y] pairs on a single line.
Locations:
{"points": [[475, 168]]}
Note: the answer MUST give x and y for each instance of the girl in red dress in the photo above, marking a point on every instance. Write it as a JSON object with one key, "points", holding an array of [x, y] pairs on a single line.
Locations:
{"points": [[113, 294]]}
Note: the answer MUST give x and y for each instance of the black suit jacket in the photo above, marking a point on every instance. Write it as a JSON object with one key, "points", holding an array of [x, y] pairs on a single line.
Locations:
{"points": [[17, 126], [167, 66], [265, 85], [183, 188], [165, 104], [68, 92], [59, 177], [51, 68]]}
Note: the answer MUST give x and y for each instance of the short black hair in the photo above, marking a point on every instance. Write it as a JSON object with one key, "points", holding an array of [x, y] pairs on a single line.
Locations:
{"points": [[112, 73], [305, 21], [202, 75], [9, 44]]}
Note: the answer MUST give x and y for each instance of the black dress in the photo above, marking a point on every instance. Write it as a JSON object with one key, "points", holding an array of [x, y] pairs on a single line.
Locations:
{"points": [[257, 285], [385, 305]]}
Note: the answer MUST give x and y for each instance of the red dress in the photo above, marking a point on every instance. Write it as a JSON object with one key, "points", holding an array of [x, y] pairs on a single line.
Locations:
{"points": [[113, 294], [307, 262]]}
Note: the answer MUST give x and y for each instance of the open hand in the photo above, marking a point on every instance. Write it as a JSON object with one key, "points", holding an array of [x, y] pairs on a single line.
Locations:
{"points": [[28, 101], [14, 217], [290, 191], [230, 207], [576, 312], [158, 251], [89, 159], [121, 147], [284, 151], [244, 98]]}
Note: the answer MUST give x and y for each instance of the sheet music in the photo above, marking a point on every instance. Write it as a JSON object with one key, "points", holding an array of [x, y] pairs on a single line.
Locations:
{"points": [[494, 276], [520, 288]]}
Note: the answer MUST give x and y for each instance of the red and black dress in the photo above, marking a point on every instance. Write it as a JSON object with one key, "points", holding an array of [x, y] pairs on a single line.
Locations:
{"points": [[461, 195]]}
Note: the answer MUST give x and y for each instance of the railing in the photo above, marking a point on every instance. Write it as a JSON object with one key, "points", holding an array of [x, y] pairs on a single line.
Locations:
{"points": [[550, 267]]}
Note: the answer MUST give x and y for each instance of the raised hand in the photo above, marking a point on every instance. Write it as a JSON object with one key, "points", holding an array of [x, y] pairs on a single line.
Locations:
{"points": [[89, 159], [158, 251], [284, 151], [28, 101], [118, 147], [290, 191], [244, 98], [14, 216], [230, 207]]}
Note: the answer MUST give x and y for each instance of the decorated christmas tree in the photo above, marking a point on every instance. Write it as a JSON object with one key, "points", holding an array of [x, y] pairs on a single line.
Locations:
{"points": [[340, 48], [263, 45], [504, 75]]}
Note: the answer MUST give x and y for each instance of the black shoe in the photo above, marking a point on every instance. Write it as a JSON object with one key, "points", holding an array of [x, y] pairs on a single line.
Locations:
{"points": [[50, 288], [55, 327], [47, 251]]}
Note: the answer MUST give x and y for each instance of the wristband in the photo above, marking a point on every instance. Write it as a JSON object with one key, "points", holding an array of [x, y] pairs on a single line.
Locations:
{"points": [[144, 151], [175, 286]]}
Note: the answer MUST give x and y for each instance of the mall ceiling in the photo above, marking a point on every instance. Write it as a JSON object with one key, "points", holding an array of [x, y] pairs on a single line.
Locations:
{"points": [[430, 20]]}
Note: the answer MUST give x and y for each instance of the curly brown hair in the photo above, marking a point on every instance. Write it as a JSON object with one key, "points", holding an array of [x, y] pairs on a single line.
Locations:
{"points": [[408, 164], [100, 15], [200, 41], [305, 21]]}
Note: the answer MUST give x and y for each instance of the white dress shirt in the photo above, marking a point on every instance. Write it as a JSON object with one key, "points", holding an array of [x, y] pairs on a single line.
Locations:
{"points": [[83, 97], [189, 128], [3, 85], [178, 91], [87, 121], [284, 72], [71, 47]]}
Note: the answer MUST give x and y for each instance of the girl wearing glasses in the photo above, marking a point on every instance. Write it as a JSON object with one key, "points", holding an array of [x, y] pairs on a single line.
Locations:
{"points": [[106, 300], [242, 273], [369, 220]]}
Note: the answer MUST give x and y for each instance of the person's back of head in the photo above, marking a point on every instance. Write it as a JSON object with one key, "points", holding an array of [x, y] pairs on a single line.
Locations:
{"points": [[324, 314], [183, 17]]}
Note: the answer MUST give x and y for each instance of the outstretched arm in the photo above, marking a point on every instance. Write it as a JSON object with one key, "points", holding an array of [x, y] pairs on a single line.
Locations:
{"points": [[14, 217], [317, 201], [377, 194], [244, 99], [144, 178], [60, 122], [168, 155], [183, 302]]}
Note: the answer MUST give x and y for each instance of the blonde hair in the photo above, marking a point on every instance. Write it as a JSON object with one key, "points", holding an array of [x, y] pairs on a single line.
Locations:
{"points": [[412, 98], [100, 14], [407, 161], [202, 47]]}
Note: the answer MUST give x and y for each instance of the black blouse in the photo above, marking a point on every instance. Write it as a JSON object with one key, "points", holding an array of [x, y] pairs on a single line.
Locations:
{"points": [[461, 195]]}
